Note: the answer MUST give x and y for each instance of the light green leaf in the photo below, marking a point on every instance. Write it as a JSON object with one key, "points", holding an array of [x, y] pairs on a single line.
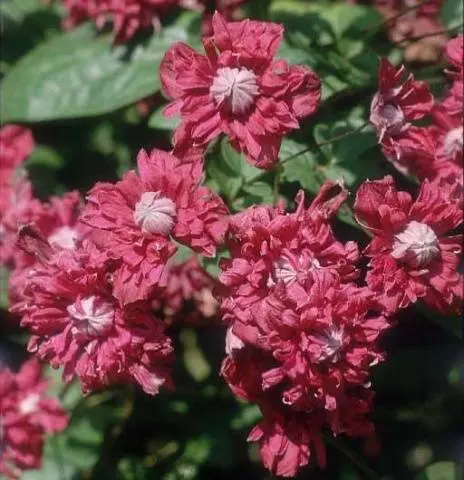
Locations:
{"points": [[80, 73], [441, 471], [159, 121]]}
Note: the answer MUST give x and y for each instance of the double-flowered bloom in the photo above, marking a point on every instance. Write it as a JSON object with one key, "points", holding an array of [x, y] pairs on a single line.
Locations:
{"points": [[238, 89], [301, 335], [138, 218], [414, 254], [27, 414], [77, 323]]}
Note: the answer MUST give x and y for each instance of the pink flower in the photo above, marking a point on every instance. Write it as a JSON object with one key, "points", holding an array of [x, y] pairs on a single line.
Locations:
{"points": [[187, 297], [238, 89], [136, 218], [56, 220], [76, 321], [269, 247], [411, 255], [228, 8], [305, 359], [27, 414], [398, 102], [454, 54], [126, 16], [16, 144]]}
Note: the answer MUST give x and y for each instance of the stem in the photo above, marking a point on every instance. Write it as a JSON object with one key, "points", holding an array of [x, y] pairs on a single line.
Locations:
{"points": [[353, 457], [277, 183], [307, 149], [433, 34], [386, 21]]}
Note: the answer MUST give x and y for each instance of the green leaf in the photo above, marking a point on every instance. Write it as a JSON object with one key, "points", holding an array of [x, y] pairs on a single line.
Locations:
{"points": [[441, 471], [159, 121], [3, 287], [304, 168], [452, 13], [80, 73]]}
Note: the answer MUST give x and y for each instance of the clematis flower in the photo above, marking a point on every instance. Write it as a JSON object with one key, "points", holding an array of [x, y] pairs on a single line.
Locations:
{"points": [[16, 144], [27, 414], [269, 247], [305, 359], [137, 218], [188, 295], [412, 256], [126, 16], [57, 220], [398, 102], [76, 322], [237, 88], [228, 8]]}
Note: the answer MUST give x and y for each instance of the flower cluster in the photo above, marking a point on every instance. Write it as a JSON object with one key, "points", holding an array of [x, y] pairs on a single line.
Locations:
{"points": [[97, 281], [129, 17], [301, 335], [238, 89], [26, 415]]}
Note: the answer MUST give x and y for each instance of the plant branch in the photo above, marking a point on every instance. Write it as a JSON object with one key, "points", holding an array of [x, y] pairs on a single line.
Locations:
{"points": [[307, 149], [433, 34], [375, 28], [354, 457]]}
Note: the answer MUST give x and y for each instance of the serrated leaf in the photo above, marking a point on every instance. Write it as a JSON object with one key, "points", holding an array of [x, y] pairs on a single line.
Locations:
{"points": [[80, 73]]}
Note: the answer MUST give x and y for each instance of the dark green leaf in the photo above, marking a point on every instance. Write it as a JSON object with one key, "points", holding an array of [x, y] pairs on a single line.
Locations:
{"points": [[452, 13]]}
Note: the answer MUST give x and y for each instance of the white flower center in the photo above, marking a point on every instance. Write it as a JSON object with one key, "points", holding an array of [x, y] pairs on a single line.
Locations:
{"points": [[236, 86], [417, 244], [92, 315], [64, 237], [331, 341], [29, 404], [283, 271], [453, 142], [155, 214]]}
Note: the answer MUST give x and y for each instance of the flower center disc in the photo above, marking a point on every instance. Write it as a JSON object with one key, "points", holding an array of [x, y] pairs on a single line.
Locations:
{"points": [[155, 214], [236, 87], [92, 315], [417, 244]]}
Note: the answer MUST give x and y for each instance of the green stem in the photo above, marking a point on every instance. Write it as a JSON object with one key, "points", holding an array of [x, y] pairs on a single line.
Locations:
{"points": [[375, 28], [353, 457], [307, 149]]}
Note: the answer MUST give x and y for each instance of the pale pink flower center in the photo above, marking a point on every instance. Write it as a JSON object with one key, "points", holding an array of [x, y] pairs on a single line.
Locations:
{"points": [[393, 118], [417, 244], [64, 237], [286, 272], [29, 404], [236, 87], [331, 340], [155, 214], [92, 315], [453, 142]]}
